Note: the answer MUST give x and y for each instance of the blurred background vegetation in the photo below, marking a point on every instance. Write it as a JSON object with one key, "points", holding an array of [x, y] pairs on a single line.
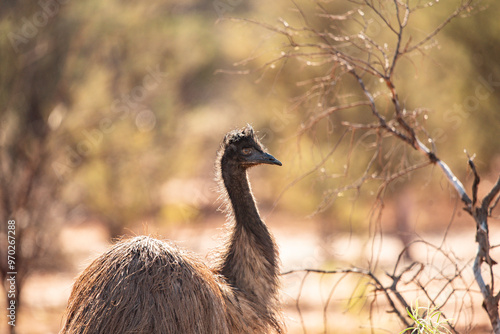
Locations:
{"points": [[112, 111]]}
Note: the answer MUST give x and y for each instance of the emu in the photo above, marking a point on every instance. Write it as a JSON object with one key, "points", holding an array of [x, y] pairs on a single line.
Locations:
{"points": [[144, 285]]}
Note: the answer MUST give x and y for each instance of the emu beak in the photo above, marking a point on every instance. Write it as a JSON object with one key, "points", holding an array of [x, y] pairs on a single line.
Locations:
{"points": [[266, 158]]}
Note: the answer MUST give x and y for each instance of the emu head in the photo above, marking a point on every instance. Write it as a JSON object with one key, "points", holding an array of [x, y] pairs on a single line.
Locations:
{"points": [[242, 148]]}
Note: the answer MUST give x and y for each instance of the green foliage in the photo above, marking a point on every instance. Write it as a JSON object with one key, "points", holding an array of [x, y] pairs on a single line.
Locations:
{"points": [[427, 320]]}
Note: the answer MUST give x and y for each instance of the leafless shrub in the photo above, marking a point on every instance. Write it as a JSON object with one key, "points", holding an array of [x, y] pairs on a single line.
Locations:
{"points": [[351, 59], [442, 282]]}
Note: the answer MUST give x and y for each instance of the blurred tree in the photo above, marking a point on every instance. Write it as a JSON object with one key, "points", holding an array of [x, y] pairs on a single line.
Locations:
{"points": [[34, 53]]}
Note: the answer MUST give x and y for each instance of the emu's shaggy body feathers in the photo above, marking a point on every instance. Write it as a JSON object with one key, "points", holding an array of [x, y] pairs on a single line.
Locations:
{"points": [[144, 285]]}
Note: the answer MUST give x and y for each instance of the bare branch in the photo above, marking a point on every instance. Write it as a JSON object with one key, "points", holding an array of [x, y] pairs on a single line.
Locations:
{"points": [[378, 286], [466, 5], [492, 207], [401, 173], [381, 119], [475, 183], [314, 169], [399, 34], [491, 195], [459, 187], [315, 119], [361, 126], [381, 16], [490, 302]]}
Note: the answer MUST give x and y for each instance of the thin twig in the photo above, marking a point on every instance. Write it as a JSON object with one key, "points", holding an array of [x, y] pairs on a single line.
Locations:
{"points": [[457, 12], [378, 285], [491, 195], [316, 118]]}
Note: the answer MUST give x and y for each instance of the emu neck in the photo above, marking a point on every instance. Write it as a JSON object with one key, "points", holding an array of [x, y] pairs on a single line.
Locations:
{"points": [[250, 260], [242, 201]]}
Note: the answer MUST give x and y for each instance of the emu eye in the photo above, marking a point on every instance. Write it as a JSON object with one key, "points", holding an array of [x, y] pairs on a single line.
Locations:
{"points": [[246, 150]]}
